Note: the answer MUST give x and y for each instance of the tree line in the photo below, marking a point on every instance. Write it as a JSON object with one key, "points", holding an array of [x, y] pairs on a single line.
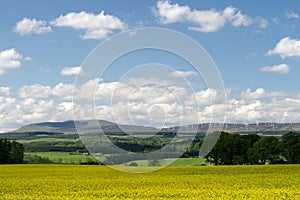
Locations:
{"points": [[11, 152], [233, 149]]}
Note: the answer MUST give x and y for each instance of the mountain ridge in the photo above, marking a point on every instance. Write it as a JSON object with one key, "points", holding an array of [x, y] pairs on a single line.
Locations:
{"points": [[69, 127]]}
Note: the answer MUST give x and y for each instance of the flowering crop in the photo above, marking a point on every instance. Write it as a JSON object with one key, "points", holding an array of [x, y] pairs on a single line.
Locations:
{"points": [[198, 182]]}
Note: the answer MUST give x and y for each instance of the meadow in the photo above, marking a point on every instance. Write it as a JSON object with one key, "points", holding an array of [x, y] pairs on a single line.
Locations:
{"points": [[174, 182], [63, 157]]}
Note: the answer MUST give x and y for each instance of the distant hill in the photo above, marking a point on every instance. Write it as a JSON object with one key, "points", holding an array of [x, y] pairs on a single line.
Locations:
{"points": [[63, 136], [263, 128], [90, 126]]}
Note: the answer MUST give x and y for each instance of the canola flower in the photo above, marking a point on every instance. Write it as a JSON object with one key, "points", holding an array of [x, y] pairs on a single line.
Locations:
{"points": [[177, 182]]}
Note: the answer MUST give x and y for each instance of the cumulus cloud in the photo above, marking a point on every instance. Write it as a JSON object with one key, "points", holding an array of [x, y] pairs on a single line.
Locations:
{"points": [[9, 59], [34, 91], [133, 90], [135, 102], [61, 90], [251, 106], [259, 94], [31, 26], [200, 20], [279, 69], [14, 112], [207, 97], [291, 15], [286, 47], [249, 94], [183, 73], [96, 26], [5, 91], [264, 106], [67, 71], [171, 13]]}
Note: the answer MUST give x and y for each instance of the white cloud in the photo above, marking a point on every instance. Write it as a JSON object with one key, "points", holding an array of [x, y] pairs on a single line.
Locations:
{"points": [[134, 90], [65, 106], [286, 47], [14, 112], [95, 26], [291, 15], [259, 94], [27, 59], [263, 106], [63, 90], [247, 112], [279, 69], [9, 59], [183, 73], [236, 17], [252, 105], [29, 26], [34, 91], [171, 13], [136, 102], [249, 94], [207, 97], [67, 71], [263, 23], [5, 91], [200, 20]]}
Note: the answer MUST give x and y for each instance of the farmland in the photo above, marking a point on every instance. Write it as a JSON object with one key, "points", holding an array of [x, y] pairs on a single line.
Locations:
{"points": [[63, 157], [194, 182]]}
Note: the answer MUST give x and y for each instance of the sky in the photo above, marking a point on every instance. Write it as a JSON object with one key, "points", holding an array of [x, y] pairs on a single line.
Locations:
{"points": [[255, 46]]}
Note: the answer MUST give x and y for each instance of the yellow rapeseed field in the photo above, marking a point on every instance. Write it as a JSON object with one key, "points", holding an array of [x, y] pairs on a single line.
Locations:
{"points": [[198, 182]]}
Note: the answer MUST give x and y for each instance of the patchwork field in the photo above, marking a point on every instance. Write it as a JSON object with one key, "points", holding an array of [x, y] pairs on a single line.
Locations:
{"points": [[63, 157], [194, 182]]}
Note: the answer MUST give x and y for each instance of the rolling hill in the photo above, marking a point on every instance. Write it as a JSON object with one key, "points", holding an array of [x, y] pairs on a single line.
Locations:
{"points": [[62, 137], [92, 126]]}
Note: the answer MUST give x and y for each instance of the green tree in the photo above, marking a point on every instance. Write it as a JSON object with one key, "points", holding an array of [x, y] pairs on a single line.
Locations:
{"points": [[16, 154], [266, 149], [11, 152], [214, 155], [231, 149], [291, 147], [247, 141], [4, 151]]}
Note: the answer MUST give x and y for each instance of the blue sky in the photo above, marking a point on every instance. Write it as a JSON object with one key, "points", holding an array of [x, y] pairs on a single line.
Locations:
{"points": [[255, 45]]}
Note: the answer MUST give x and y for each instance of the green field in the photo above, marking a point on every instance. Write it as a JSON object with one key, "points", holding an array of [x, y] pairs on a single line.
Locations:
{"points": [[63, 157], [194, 182], [67, 140], [67, 158], [175, 162]]}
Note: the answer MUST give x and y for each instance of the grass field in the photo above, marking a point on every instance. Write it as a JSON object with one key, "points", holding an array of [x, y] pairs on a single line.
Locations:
{"points": [[48, 140], [176, 162], [63, 157], [67, 158], [196, 182]]}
